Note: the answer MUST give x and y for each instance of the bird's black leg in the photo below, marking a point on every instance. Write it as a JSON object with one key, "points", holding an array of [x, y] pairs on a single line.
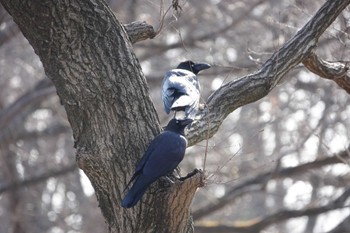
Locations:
{"points": [[194, 172]]}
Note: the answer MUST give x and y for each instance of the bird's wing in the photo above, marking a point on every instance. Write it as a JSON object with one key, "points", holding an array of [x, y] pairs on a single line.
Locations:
{"points": [[168, 154], [179, 81], [167, 91], [183, 101], [139, 167], [162, 156], [136, 191]]}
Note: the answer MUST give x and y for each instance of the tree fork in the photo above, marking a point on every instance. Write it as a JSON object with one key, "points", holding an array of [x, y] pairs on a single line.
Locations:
{"points": [[88, 56]]}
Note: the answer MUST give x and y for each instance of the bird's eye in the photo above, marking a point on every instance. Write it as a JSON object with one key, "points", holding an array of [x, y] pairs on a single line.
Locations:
{"points": [[177, 122]]}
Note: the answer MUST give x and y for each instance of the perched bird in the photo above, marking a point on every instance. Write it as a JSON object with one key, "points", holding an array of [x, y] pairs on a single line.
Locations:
{"points": [[162, 156], [181, 89]]}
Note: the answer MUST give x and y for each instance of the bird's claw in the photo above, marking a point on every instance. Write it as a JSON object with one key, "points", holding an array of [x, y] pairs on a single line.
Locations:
{"points": [[194, 172]]}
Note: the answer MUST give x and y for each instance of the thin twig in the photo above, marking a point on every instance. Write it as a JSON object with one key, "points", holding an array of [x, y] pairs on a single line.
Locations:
{"points": [[162, 17], [206, 147]]}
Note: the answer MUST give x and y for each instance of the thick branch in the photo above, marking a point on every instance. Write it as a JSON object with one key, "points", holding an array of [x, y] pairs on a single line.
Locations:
{"points": [[339, 72], [139, 31], [180, 193], [255, 86]]}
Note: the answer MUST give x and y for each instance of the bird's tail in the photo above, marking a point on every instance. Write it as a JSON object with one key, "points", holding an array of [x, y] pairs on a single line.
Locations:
{"points": [[135, 193], [182, 102], [185, 103]]}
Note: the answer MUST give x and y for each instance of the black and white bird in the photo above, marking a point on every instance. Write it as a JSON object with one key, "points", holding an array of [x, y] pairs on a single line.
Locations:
{"points": [[181, 89], [163, 155]]}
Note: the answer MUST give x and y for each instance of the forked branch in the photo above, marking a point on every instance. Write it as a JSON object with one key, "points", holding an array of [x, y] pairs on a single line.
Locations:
{"points": [[255, 86]]}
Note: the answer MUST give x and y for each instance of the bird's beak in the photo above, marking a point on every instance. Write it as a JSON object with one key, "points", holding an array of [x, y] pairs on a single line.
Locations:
{"points": [[201, 66], [186, 121]]}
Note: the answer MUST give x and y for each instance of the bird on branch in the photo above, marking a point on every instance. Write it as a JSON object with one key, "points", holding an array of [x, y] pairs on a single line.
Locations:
{"points": [[162, 156], [181, 89]]}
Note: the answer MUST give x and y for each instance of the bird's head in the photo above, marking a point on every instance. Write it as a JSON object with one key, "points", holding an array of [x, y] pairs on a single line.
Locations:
{"points": [[193, 67], [178, 126]]}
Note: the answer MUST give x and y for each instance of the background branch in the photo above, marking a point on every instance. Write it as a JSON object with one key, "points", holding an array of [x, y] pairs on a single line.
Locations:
{"points": [[336, 71], [255, 86], [258, 182], [279, 216], [5, 187]]}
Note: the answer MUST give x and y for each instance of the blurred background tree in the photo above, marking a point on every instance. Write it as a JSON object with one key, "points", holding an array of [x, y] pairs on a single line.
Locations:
{"points": [[280, 164]]}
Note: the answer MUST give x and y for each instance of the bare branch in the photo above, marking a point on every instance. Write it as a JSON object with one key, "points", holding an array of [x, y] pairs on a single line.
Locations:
{"points": [[21, 133], [259, 180], [282, 215], [33, 97], [255, 86], [10, 31], [212, 34], [4, 187], [336, 71], [10, 28]]}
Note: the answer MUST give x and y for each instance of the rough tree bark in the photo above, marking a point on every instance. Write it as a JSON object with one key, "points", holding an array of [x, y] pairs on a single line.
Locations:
{"points": [[88, 56], [339, 72]]}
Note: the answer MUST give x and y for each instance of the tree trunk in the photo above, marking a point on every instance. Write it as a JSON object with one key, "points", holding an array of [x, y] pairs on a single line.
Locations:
{"points": [[88, 56]]}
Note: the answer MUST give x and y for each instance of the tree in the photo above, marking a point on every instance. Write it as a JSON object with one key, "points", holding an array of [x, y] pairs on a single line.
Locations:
{"points": [[88, 55]]}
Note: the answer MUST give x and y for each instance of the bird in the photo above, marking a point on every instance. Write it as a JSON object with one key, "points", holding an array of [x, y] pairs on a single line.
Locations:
{"points": [[181, 89], [162, 156]]}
